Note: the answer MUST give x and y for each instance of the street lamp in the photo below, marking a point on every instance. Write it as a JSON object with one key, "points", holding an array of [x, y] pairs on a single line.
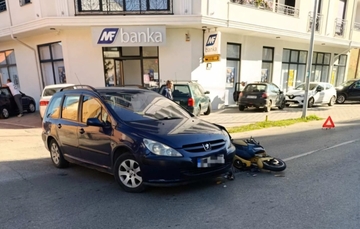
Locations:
{"points": [[310, 57]]}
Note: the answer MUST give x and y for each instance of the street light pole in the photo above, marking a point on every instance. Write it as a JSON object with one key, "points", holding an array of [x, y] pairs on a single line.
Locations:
{"points": [[310, 57]]}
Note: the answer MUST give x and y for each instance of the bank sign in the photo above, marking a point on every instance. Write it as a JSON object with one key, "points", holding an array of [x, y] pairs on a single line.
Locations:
{"points": [[212, 43], [129, 36]]}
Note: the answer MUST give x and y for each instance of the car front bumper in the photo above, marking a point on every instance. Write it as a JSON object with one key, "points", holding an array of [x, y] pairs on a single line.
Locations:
{"points": [[168, 171], [294, 101]]}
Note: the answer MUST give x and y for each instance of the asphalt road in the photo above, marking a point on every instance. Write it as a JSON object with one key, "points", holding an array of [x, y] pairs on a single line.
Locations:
{"points": [[319, 189]]}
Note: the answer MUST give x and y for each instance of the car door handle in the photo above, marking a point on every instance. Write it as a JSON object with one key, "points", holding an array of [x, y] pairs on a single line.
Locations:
{"points": [[59, 126], [81, 131]]}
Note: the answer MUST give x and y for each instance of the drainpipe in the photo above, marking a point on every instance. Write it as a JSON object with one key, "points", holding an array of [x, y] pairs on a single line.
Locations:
{"points": [[21, 42], [357, 64]]}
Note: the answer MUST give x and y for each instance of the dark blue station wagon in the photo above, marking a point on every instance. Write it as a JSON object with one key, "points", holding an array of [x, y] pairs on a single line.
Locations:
{"points": [[137, 135]]}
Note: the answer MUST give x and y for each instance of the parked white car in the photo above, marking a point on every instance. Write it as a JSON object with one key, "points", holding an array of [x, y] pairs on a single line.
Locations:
{"points": [[47, 93], [319, 93]]}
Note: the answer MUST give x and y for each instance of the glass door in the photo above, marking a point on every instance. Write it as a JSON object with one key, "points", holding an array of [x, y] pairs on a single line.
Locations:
{"points": [[119, 73]]}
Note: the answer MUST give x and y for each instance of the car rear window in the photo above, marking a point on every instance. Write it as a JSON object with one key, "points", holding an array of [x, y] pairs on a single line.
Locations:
{"points": [[181, 90], [51, 91], [255, 88]]}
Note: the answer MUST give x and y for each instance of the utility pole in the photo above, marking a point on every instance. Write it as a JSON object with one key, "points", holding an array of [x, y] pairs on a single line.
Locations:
{"points": [[310, 57]]}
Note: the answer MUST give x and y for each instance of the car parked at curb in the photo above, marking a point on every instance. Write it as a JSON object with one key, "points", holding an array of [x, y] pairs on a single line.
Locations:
{"points": [[261, 95], [348, 91], [138, 135], [319, 93], [8, 105], [192, 96], [47, 93]]}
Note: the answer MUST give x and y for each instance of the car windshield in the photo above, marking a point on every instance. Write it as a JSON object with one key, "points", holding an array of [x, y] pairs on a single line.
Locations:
{"points": [[255, 88], [139, 105], [347, 83], [302, 86]]}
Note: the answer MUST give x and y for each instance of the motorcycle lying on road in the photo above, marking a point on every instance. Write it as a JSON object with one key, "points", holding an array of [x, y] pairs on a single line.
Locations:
{"points": [[250, 154]]}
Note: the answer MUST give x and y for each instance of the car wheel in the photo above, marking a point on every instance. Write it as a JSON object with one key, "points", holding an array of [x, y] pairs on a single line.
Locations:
{"points": [[4, 113], [241, 108], [56, 155], [332, 101], [282, 105], [311, 102], [340, 99], [267, 107], [32, 108], [128, 174], [208, 111]]}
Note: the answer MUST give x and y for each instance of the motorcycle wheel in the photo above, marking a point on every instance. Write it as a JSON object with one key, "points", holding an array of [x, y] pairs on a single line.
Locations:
{"points": [[239, 165], [274, 164]]}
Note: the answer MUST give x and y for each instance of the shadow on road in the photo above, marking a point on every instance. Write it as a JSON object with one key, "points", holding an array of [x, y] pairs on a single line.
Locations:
{"points": [[28, 121]]}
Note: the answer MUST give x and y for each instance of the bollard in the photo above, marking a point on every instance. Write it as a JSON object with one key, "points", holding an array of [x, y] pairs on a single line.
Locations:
{"points": [[266, 118]]}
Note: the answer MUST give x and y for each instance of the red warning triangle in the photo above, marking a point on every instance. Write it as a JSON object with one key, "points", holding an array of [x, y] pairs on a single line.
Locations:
{"points": [[328, 123]]}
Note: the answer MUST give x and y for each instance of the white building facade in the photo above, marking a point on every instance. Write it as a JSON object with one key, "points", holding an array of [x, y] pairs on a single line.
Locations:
{"points": [[146, 42]]}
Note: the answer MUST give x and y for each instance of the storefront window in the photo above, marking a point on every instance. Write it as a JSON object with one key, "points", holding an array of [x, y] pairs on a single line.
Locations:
{"points": [[320, 67], [52, 63], [233, 64], [267, 64], [293, 68], [131, 66], [8, 69]]}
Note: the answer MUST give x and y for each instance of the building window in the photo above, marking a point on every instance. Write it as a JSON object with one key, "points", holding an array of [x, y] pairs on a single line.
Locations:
{"points": [[52, 63], [124, 6], [2, 5], [267, 64], [293, 68], [320, 67], [131, 66], [233, 56], [24, 2], [338, 73], [8, 68]]}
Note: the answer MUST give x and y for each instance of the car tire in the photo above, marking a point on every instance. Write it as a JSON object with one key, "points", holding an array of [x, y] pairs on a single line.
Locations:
{"points": [[267, 107], [208, 111], [56, 155], [341, 99], [32, 108], [282, 105], [241, 108], [4, 113], [332, 101], [311, 102], [127, 169]]}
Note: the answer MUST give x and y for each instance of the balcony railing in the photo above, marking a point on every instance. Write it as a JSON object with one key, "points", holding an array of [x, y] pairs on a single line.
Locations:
{"points": [[2, 6], [317, 22], [269, 5], [123, 7], [340, 25], [357, 26]]}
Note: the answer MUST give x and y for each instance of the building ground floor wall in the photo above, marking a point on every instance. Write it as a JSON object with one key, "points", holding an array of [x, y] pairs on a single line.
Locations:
{"points": [[74, 56]]}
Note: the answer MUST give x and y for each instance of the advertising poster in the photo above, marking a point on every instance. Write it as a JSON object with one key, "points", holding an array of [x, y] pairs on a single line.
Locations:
{"points": [[230, 75], [291, 78]]}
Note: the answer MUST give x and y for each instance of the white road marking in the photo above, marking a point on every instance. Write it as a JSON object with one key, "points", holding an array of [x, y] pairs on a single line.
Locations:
{"points": [[321, 149]]}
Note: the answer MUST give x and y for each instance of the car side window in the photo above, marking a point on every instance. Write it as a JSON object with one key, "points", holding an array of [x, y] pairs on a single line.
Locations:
{"points": [[328, 86], [320, 87], [201, 89], [197, 91], [91, 108], [70, 107], [53, 111], [357, 85], [4, 92]]}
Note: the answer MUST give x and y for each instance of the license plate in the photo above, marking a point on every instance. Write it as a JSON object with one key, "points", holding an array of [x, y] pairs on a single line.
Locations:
{"points": [[251, 97], [206, 162]]}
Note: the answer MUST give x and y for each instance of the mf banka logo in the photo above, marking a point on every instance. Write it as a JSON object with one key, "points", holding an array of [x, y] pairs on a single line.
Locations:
{"points": [[211, 40], [108, 36]]}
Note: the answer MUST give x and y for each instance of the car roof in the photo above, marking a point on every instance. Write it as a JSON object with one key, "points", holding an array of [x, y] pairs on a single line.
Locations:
{"points": [[59, 85]]}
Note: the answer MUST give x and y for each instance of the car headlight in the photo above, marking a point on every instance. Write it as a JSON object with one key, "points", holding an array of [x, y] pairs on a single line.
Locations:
{"points": [[161, 149], [227, 137]]}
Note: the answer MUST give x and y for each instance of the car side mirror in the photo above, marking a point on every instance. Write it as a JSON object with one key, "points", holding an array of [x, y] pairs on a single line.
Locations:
{"points": [[94, 122], [207, 92]]}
